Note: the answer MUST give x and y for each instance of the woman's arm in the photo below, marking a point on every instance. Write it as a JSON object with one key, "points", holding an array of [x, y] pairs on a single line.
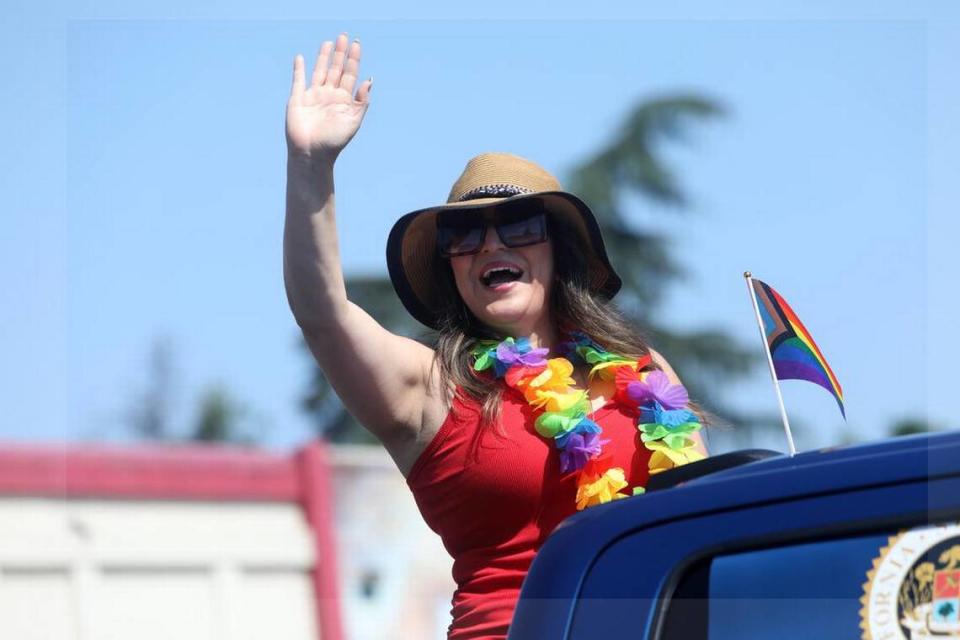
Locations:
{"points": [[382, 379]]}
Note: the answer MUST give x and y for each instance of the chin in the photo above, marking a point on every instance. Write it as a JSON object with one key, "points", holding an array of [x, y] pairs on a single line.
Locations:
{"points": [[507, 317], [515, 312], [498, 315]]}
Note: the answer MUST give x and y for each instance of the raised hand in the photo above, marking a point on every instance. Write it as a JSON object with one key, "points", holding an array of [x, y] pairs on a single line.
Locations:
{"points": [[323, 118]]}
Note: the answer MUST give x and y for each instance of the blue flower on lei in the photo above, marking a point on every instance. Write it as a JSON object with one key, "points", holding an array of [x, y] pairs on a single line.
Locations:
{"points": [[654, 413]]}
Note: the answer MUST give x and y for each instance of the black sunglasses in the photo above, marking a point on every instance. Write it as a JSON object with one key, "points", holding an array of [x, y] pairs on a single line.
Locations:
{"points": [[461, 233]]}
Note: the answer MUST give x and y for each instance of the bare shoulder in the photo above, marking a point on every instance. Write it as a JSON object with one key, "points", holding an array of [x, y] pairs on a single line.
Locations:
{"points": [[661, 362]]}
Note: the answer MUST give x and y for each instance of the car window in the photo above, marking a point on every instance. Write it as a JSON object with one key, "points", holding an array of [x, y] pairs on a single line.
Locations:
{"points": [[896, 584]]}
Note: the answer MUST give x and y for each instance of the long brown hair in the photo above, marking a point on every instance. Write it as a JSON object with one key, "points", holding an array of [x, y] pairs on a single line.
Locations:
{"points": [[573, 306]]}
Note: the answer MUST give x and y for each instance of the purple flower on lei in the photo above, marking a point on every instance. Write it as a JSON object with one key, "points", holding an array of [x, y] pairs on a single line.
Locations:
{"points": [[658, 388], [579, 448], [510, 353]]}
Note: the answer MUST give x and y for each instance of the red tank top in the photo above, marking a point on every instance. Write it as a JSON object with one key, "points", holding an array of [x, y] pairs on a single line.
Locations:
{"points": [[494, 499]]}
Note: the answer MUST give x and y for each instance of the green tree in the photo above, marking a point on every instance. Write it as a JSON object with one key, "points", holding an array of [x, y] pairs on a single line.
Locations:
{"points": [[221, 418], [629, 166], [910, 426], [148, 416]]}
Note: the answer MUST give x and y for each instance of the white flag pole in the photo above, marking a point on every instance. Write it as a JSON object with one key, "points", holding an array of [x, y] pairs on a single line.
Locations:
{"points": [[773, 372]]}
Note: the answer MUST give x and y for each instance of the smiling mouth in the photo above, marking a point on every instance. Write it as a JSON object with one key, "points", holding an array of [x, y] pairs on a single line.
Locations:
{"points": [[500, 275]]}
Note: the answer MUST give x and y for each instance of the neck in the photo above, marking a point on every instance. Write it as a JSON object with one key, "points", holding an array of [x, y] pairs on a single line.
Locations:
{"points": [[545, 337], [541, 333]]}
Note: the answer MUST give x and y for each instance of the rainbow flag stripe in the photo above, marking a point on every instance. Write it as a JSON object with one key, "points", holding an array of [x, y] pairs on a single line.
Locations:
{"points": [[795, 354]]}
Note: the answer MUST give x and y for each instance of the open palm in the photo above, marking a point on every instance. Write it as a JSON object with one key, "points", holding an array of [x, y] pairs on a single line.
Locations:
{"points": [[323, 118]]}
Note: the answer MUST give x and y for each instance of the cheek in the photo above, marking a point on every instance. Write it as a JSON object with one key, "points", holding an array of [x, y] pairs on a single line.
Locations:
{"points": [[542, 260], [460, 265]]}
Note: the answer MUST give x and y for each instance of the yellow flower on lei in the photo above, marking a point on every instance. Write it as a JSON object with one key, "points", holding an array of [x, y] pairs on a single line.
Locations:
{"points": [[556, 379], [603, 489], [607, 370], [555, 401], [664, 457]]}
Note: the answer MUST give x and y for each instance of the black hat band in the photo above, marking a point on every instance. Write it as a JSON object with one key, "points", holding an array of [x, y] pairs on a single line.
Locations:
{"points": [[501, 190]]}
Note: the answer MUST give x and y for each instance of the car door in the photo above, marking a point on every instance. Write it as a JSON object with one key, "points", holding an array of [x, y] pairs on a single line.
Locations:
{"points": [[795, 569]]}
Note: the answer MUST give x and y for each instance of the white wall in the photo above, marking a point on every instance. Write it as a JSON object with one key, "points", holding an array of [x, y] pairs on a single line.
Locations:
{"points": [[119, 570]]}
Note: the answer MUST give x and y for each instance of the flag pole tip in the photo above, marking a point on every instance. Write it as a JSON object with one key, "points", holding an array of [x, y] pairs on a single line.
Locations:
{"points": [[747, 274]]}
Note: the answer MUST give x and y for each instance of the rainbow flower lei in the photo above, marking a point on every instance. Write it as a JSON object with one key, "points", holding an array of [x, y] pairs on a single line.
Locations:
{"points": [[663, 418]]}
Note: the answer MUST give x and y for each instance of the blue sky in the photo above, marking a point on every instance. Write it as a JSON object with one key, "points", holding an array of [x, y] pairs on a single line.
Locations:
{"points": [[144, 176]]}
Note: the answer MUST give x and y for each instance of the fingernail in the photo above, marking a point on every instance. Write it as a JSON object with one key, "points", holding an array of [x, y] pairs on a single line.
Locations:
{"points": [[370, 88], [357, 40]]}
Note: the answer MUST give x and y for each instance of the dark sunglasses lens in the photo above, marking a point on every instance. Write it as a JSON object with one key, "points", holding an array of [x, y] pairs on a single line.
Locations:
{"points": [[530, 230], [456, 240]]}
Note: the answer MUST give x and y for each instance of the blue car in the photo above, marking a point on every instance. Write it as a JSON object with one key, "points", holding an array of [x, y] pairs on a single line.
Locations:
{"points": [[853, 542]]}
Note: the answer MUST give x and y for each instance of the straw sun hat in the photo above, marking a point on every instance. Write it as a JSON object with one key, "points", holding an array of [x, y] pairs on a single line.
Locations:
{"points": [[489, 179]]}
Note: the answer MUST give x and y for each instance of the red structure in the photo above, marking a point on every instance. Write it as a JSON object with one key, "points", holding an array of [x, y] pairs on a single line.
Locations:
{"points": [[191, 473]]}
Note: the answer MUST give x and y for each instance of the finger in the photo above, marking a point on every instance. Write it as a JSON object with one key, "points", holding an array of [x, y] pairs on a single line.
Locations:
{"points": [[336, 69], [363, 93], [298, 77], [323, 61], [351, 67]]}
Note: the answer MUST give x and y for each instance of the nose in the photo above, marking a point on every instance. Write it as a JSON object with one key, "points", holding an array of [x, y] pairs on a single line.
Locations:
{"points": [[491, 240]]}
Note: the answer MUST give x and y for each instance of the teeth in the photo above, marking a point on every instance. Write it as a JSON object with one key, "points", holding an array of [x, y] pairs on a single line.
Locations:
{"points": [[489, 272]]}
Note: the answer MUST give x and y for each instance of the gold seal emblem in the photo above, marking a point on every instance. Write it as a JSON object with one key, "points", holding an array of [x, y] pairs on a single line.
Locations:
{"points": [[912, 591]]}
